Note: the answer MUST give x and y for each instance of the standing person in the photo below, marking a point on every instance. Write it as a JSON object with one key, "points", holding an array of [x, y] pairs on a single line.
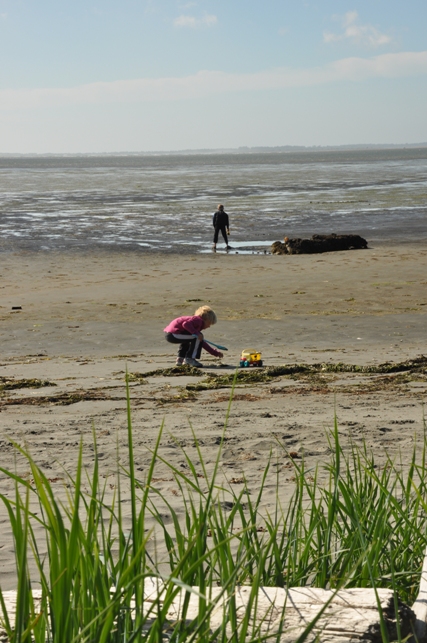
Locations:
{"points": [[221, 223], [186, 331]]}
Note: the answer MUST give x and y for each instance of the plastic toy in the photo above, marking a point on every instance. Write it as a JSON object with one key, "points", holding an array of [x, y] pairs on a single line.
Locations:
{"points": [[250, 357]]}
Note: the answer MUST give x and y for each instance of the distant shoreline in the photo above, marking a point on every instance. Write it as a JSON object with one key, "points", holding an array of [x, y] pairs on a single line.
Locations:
{"points": [[239, 150]]}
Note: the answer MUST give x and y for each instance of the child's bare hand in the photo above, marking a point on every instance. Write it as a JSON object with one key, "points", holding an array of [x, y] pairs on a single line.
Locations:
{"points": [[200, 336], [220, 354]]}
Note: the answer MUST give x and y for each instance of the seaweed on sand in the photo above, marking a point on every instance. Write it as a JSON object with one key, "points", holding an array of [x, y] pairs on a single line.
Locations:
{"points": [[173, 371], [184, 395], [228, 380], [62, 399], [417, 366], [10, 383]]}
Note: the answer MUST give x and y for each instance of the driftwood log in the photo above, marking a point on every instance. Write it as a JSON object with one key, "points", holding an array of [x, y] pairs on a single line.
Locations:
{"points": [[420, 606], [318, 243], [348, 615]]}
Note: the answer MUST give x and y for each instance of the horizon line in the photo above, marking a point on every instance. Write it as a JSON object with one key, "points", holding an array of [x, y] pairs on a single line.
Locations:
{"points": [[243, 149]]}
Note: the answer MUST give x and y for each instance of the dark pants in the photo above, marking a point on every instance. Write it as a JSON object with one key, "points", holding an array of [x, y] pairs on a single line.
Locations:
{"points": [[223, 232], [191, 347]]}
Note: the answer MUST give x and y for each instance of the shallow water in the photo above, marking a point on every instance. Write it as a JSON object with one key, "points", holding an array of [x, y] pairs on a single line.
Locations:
{"points": [[165, 203]]}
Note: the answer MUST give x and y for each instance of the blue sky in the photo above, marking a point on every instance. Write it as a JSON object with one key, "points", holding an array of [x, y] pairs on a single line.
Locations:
{"points": [[141, 75]]}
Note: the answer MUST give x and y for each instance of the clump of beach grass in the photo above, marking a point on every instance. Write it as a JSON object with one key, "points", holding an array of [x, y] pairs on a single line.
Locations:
{"points": [[364, 527]]}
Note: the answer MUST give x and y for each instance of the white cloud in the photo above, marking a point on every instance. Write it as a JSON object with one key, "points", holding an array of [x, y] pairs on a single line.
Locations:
{"points": [[204, 83], [349, 18], [357, 33], [193, 22]]}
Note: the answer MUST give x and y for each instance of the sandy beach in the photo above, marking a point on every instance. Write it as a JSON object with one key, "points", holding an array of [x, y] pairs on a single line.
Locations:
{"points": [[78, 321]]}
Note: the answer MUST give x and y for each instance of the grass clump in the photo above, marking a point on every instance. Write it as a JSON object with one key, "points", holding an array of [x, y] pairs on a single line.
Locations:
{"points": [[348, 524]]}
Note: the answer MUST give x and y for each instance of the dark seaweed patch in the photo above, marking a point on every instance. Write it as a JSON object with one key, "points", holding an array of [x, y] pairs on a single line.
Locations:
{"points": [[414, 368], [9, 383], [63, 399], [174, 371], [183, 396]]}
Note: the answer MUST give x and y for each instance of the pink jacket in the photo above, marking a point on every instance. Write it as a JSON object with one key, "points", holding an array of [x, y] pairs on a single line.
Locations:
{"points": [[193, 325]]}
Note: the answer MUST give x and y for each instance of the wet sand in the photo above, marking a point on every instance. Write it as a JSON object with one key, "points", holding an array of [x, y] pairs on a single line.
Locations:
{"points": [[79, 321]]}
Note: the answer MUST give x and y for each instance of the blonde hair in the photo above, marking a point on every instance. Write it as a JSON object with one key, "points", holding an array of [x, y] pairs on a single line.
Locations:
{"points": [[206, 313]]}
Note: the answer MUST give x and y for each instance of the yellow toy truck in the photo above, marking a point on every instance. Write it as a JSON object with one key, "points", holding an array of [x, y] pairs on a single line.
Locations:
{"points": [[250, 357]]}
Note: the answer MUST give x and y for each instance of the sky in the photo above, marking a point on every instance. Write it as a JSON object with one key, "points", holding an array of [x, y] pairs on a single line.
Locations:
{"points": [[99, 76]]}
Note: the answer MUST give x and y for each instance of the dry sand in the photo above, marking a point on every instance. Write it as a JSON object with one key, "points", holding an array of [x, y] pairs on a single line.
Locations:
{"points": [[83, 319]]}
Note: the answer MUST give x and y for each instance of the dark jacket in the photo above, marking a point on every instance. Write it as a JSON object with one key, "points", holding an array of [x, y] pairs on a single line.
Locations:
{"points": [[220, 219]]}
